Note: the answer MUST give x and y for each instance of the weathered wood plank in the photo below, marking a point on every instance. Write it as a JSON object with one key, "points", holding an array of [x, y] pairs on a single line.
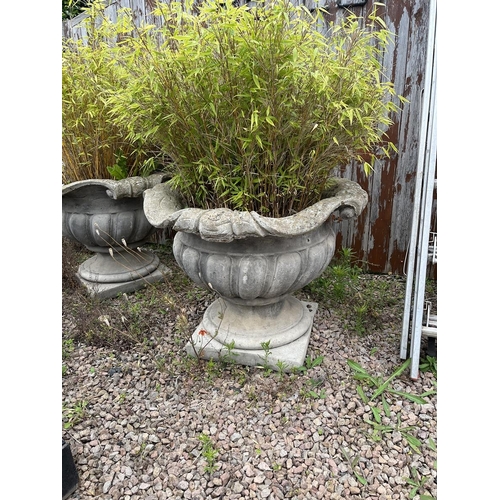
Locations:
{"points": [[380, 237]]}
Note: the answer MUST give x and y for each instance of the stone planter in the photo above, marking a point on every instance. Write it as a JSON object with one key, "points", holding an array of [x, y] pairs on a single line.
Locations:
{"points": [[254, 264], [103, 214]]}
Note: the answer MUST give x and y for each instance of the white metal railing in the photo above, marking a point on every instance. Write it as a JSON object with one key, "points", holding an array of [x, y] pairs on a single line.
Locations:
{"points": [[433, 248], [429, 327], [420, 245]]}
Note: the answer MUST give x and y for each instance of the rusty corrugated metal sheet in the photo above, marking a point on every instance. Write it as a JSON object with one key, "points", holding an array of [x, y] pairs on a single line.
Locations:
{"points": [[380, 236]]}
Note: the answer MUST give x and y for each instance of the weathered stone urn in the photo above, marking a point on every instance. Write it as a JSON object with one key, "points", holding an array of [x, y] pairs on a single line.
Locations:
{"points": [[254, 264], [107, 217]]}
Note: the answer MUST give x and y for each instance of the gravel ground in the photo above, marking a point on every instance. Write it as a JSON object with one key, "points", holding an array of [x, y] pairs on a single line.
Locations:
{"points": [[144, 421]]}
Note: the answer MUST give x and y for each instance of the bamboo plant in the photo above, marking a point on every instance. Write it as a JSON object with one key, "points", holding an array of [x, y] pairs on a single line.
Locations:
{"points": [[255, 105], [94, 146]]}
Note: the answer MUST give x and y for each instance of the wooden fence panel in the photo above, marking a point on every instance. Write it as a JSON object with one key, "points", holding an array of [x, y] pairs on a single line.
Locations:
{"points": [[381, 235]]}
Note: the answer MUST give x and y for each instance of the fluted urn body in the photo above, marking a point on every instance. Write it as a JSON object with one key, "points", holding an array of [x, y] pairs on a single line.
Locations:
{"points": [[254, 278], [254, 264], [107, 217]]}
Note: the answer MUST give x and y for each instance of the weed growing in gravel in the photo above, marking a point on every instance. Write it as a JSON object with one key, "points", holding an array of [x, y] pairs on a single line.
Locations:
{"points": [[266, 347], [432, 446], [160, 363], [68, 346], [209, 452], [310, 363], [212, 370], [340, 279], [417, 482], [116, 322], [380, 385], [382, 388], [74, 414], [282, 366], [227, 356], [364, 301], [352, 461], [310, 392], [379, 430], [127, 319], [429, 364], [183, 329]]}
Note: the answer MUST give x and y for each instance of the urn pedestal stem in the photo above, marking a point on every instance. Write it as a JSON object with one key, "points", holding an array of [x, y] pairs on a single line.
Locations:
{"points": [[105, 275], [273, 335]]}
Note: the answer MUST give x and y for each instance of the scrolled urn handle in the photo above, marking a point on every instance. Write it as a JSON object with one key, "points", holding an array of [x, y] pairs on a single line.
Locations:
{"points": [[130, 187], [347, 212], [351, 198], [160, 202]]}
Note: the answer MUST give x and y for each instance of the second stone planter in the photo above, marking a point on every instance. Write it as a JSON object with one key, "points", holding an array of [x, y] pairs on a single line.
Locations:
{"points": [[107, 217]]}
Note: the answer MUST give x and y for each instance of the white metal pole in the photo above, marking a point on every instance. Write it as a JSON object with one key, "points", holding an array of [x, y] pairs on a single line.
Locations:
{"points": [[424, 116], [418, 305]]}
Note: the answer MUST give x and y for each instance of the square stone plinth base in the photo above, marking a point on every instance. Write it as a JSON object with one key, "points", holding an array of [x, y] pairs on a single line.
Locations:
{"points": [[284, 358], [108, 290]]}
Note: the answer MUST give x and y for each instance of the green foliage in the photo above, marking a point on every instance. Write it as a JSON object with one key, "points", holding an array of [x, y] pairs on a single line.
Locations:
{"points": [[310, 363], [119, 169], [93, 145], [417, 483], [382, 388], [74, 414], [360, 298], [379, 429], [429, 364], [253, 104], [339, 281], [282, 366], [68, 346], [266, 347], [209, 452], [229, 356], [380, 385], [71, 8], [309, 391], [353, 461]]}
